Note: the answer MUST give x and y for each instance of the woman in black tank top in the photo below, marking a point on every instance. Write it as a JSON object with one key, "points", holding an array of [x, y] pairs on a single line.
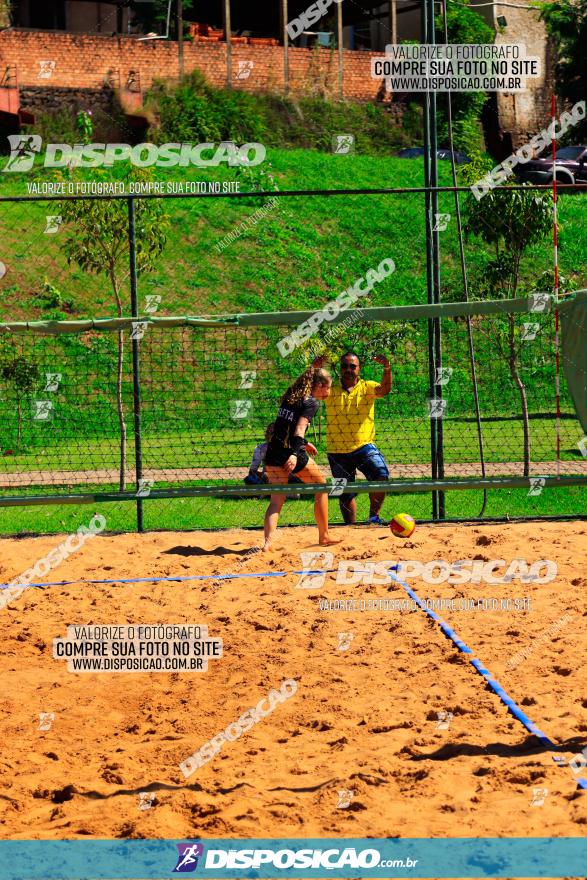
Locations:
{"points": [[287, 452]]}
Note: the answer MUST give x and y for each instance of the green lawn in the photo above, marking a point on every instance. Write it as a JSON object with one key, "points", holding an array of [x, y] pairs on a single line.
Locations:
{"points": [[303, 252], [405, 441]]}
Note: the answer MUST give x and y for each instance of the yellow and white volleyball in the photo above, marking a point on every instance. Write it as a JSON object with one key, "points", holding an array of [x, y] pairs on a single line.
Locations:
{"points": [[402, 525]]}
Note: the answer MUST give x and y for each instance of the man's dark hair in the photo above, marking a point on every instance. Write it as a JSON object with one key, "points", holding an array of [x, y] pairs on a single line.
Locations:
{"points": [[350, 354]]}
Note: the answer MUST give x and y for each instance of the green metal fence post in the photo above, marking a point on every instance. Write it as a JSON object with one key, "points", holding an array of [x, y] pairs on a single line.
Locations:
{"points": [[136, 366]]}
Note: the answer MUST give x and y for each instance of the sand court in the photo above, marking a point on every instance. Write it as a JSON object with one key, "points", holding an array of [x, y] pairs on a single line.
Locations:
{"points": [[390, 731]]}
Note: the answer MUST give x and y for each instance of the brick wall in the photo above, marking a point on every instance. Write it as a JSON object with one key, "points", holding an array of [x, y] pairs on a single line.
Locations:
{"points": [[90, 62]]}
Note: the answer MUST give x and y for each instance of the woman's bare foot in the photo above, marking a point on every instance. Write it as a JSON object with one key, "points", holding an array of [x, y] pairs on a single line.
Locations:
{"points": [[326, 541], [266, 546]]}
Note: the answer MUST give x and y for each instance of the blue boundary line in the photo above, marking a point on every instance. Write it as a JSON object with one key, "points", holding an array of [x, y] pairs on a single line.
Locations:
{"points": [[176, 578], [477, 664]]}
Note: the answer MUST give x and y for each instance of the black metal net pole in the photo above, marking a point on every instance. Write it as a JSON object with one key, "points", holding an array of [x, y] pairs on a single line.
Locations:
{"points": [[429, 271], [136, 374], [436, 276]]}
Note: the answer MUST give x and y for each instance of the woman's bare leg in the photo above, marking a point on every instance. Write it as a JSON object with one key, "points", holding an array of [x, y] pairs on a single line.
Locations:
{"points": [[272, 518], [312, 474], [321, 516]]}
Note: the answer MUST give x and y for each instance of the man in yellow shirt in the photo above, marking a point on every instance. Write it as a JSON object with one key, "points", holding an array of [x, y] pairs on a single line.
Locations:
{"points": [[350, 410]]}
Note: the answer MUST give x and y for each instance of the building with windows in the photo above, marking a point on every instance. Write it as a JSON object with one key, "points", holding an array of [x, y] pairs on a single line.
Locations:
{"points": [[369, 25]]}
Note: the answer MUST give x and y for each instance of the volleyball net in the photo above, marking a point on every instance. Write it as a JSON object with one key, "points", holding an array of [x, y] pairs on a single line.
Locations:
{"points": [[174, 407]]}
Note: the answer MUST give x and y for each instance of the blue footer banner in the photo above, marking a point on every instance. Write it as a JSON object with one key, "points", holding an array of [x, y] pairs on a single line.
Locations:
{"points": [[336, 857]]}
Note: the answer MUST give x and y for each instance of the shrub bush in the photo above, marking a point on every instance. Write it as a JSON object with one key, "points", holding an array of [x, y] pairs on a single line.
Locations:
{"points": [[195, 111]]}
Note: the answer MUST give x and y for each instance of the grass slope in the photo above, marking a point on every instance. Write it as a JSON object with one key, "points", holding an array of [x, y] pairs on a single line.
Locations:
{"points": [[302, 252]]}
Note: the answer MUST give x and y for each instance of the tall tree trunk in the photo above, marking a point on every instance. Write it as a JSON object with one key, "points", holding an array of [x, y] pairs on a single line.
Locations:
{"points": [[513, 364]]}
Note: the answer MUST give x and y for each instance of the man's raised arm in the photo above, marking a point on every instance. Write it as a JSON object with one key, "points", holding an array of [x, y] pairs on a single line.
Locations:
{"points": [[383, 389]]}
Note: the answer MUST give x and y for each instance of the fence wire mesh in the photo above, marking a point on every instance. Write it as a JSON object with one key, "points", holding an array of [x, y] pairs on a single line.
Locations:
{"points": [[208, 394]]}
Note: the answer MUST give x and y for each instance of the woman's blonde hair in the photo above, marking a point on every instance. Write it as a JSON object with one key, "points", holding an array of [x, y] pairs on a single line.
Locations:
{"points": [[305, 384]]}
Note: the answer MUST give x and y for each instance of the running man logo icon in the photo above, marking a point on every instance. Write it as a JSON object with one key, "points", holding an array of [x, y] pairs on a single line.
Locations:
{"points": [[247, 378], [578, 762], [42, 410], [46, 69], [245, 69], [343, 144], [314, 566], [152, 302], [436, 407], [444, 719], [443, 375], [187, 861], [441, 222], [338, 486], [344, 641], [144, 488], [139, 328], [46, 720], [538, 797], [530, 332], [537, 484], [52, 381], [239, 409], [23, 149], [146, 799], [345, 797], [52, 223], [538, 302]]}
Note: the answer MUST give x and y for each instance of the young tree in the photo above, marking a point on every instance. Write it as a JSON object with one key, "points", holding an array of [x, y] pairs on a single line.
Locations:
{"points": [[98, 241], [510, 221], [464, 25], [22, 375]]}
